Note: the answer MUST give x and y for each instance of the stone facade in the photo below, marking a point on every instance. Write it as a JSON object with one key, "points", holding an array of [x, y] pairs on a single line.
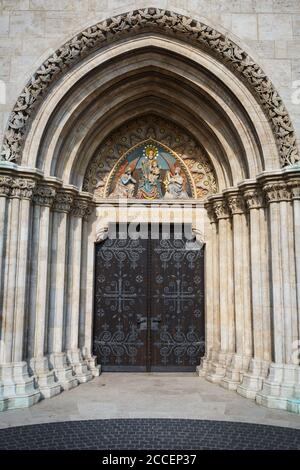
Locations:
{"points": [[195, 67]]}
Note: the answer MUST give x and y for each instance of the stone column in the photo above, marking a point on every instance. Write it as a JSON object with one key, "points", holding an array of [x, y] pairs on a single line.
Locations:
{"points": [[57, 308], [242, 307], [260, 293], [280, 384], [87, 290], [83, 374], [294, 186], [17, 388], [39, 304], [212, 315], [227, 336]]}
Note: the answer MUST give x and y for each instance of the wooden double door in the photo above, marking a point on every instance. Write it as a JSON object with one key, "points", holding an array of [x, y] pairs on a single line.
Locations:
{"points": [[149, 302]]}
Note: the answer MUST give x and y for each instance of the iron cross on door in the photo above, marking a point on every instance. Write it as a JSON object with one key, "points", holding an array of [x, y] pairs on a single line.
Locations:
{"points": [[149, 303]]}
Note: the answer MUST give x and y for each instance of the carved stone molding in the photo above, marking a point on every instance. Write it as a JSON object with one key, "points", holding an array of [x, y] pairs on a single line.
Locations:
{"points": [[277, 192], [166, 22], [63, 201], [44, 195], [101, 233]]}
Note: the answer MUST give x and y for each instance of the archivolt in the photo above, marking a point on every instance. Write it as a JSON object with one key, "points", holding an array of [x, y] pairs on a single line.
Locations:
{"points": [[165, 22]]}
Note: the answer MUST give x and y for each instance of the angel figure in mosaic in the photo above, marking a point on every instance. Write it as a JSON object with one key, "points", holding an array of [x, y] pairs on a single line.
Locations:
{"points": [[125, 185], [174, 184]]}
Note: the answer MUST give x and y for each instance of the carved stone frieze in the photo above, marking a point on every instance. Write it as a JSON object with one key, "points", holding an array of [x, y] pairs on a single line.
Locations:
{"points": [[166, 22]]}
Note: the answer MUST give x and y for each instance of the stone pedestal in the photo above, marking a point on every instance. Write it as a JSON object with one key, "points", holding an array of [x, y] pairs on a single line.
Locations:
{"points": [[279, 386], [17, 388], [63, 372], [235, 372], [80, 366], [253, 379], [91, 362], [48, 385]]}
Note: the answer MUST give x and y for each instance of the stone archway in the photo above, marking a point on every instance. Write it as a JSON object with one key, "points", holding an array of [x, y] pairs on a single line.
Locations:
{"points": [[193, 76]]}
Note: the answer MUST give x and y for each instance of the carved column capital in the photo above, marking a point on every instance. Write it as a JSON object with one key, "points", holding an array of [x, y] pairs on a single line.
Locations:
{"points": [[79, 207], [221, 209], [63, 201], [5, 185], [22, 188], [236, 204], [277, 192], [210, 212], [44, 195], [294, 187], [254, 198]]}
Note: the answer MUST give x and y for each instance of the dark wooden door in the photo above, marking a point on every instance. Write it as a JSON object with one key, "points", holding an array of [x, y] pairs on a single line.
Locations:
{"points": [[149, 304]]}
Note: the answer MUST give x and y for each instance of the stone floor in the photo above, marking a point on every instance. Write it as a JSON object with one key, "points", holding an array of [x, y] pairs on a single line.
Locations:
{"points": [[120, 395]]}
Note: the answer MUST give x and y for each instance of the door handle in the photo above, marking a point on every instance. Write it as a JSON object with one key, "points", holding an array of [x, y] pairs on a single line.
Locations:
{"points": [[154, 323], [142, 322]]}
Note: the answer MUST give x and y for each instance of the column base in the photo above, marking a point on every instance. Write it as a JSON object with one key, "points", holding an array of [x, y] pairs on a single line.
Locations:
{"points": [[45, 377], [253, 379], [80, 367], [17, 388], [63, 371], [279, 387], [218, 367], [234, 373], [204, 365]]}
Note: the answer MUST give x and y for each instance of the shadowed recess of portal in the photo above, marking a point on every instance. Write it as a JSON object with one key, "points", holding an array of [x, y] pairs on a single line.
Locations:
{"points": [[141, 434]]}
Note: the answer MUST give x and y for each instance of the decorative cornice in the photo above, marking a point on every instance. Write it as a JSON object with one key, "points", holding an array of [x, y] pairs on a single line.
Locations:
{"points": [[166, 22], [44, 195]]}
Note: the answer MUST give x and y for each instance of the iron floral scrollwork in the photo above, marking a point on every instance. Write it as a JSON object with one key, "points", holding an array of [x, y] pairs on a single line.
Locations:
{"points": [[118, 344], [181, 345]]}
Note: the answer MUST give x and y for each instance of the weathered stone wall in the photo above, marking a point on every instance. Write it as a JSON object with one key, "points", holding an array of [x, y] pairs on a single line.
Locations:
{"points": [[269, 30]]}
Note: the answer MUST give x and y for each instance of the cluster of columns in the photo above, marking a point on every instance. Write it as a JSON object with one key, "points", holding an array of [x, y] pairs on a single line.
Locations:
{"points": [[253, 289], [46, 289]]}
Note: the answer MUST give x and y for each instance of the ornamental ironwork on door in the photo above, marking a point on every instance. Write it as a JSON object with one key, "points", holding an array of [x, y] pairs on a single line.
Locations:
{"points": [[149, 303]]}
